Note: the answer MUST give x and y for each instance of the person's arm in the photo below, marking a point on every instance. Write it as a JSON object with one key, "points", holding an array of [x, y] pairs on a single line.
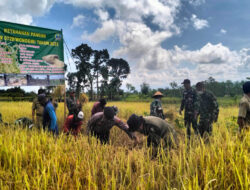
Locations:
{"points": [[78, 128], [53, 118], [182, 104], [124, 127], [93, 110], [66, 125], [216, 108], [242, 115], [92, 122], [196, 104], [33, 111]]}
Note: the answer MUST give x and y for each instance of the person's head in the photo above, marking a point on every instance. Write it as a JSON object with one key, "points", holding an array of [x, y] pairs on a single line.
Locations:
{"points": [[135, 123], [246, 88], [109, 113], [80, 116], [41, 91], [157, 95], [200, 87], [187, 84], [103, 102], [42, 99]]}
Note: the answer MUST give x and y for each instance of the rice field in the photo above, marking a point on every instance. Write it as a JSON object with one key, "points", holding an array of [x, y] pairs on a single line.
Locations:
{"points": [[30, 159]]}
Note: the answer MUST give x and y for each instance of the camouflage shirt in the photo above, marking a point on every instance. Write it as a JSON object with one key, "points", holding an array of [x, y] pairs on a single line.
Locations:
{"points": [[189, 101], [154, 106], [36, 106], [157, 129], [72, 105], [244, 109], [208, 106]]}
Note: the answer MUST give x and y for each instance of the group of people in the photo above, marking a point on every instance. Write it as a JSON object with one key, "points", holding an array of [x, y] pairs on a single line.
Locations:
{"points": [[198, 105]]}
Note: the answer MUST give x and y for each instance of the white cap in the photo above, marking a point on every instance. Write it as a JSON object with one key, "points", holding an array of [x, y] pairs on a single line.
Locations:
{"points": [[80, 115]]}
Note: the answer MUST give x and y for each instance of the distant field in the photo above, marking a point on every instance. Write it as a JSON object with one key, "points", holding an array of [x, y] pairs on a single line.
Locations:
{"points": [[36, 160]]}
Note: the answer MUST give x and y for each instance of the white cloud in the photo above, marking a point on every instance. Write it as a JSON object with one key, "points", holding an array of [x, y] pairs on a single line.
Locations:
{"points": [[199, 23], [23, 11], [78, 21], [223, 31], [197, 2], [107, 30]]}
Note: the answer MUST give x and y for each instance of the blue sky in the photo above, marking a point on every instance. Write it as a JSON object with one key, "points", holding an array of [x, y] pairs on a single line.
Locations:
{"points": [[163, 40]]}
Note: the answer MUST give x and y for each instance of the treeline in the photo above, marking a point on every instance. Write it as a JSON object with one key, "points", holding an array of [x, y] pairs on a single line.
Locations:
{"points": [[97, 74], [220, 89]]}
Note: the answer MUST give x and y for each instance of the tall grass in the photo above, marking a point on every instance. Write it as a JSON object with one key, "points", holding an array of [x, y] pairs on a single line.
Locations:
{"points": [[30, 159]]}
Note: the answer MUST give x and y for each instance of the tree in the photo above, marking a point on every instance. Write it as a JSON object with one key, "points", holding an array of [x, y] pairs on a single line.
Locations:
{"points": [[118, 69], [84, 78], [145, 88], [99, 64], [130, 88]]}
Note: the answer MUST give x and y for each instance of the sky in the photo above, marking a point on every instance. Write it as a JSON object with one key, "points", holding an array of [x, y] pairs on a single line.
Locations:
{"points": [[162, 40]]}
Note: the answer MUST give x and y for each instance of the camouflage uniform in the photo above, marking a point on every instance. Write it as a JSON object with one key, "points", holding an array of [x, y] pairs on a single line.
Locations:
{"points": [[38, 108], [190, 104], [156, 109], [208, 111], [1, 120], [159, 130], [244, 110], [73, 106]]}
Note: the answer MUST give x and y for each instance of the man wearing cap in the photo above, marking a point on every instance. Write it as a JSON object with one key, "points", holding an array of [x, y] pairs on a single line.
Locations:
{"points": [[73, 124], [49, 114], [101, 123], [190, 104], [98, 106], [244, 108], [156, 106], [155, 128], [73, 105], [37, 111], [208, 109]]}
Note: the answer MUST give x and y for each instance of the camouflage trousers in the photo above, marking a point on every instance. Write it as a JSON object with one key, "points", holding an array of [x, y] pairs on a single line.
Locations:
{"points": [[190, 120], [205, 125], [39, 122]]}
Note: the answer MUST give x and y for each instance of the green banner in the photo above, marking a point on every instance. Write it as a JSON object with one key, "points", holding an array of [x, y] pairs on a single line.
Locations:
{"points": [[29, 50]]}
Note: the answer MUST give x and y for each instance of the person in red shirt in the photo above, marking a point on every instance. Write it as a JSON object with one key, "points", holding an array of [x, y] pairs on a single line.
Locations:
{"points": [[98, 106], [73, 124]]}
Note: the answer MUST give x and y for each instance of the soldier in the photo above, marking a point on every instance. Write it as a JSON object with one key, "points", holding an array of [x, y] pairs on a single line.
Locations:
{"points": [[155, 128], [73, 105], [244, 108], [101, 123], [208, 109], [37, 110], [190, 104], [156, 106]]}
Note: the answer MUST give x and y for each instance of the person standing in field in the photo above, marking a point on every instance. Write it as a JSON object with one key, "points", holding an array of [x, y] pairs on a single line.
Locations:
{"points": [[157, 130], [73, 105], [156, 106], [244, 108], [98, 106], [73, 124], [190, 104], [208, 109], [49, 114], [37, 111], [101, 123]]}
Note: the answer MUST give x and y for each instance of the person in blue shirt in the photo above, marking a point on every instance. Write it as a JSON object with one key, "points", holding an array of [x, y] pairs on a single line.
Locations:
{"points": [[49, 114]]}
